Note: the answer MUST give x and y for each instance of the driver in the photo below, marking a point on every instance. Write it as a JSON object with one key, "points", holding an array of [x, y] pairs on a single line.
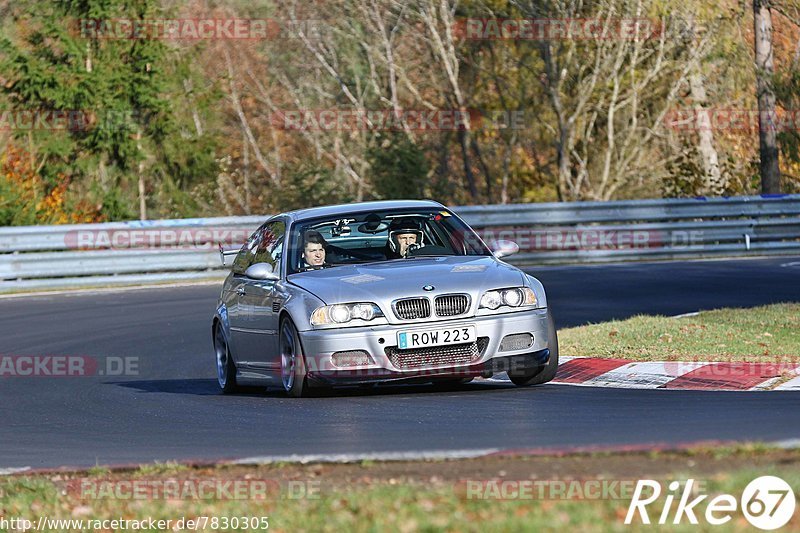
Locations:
{"points": [[314, 250], [404, 235]]}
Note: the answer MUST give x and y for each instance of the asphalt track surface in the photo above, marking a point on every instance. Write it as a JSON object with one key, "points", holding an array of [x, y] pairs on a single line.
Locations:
{"points": [[172, 410]]}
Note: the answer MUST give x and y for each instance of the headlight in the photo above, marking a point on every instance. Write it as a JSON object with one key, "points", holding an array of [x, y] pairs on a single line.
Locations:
{"points": [[343, 313], [516, 297], [491, 299]]}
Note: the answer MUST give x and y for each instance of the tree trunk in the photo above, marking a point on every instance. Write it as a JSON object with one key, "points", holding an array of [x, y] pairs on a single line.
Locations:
{"points": [[713, 182], [768, 146], [463, 141], [563, 162], [246, 172], [188, 88], [142, 198], [485, 169], [142, 202], [88, 56]]}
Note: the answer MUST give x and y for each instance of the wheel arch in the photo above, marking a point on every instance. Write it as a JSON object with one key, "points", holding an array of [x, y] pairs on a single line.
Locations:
{"points": [[221, 318], [286, 314]]}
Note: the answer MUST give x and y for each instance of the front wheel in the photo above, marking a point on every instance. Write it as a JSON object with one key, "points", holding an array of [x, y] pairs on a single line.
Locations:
{"points": [[539, 375], [293, 365]]}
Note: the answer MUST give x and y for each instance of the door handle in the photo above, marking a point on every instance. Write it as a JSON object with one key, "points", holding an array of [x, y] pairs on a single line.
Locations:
{"points": [[240, 291]]}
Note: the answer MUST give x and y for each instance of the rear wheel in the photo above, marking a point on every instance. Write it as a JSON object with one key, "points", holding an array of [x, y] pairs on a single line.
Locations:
{"points": [[293, 365], [542, 374], [226, 369]]}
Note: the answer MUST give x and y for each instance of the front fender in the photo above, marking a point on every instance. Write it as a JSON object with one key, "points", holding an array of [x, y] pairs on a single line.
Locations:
{"points": [[300, 305]]}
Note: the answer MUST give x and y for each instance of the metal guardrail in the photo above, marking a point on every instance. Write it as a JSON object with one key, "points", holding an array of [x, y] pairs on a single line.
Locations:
{"points": [[66, 237], [548, 233]]}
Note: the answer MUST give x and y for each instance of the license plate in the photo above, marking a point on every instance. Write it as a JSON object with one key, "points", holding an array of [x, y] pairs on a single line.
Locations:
{"points": [[424, 338]]}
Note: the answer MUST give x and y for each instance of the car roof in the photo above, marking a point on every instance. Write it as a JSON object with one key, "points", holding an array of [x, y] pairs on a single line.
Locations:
{"points": [[344, 209]]}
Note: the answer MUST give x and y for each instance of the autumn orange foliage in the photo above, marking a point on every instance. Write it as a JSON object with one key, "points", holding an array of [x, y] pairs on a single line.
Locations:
{"points": [[30, 200]]}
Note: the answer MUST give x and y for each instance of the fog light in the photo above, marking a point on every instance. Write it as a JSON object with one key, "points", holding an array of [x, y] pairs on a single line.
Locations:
{"points": [[516, 341], [352, 358]]}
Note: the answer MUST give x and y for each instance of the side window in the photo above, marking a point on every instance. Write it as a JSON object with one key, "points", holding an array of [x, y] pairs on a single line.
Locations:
{"points": [[270, 245], [245, 256]]}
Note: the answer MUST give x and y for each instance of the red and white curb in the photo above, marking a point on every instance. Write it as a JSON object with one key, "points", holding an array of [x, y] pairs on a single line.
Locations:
{"points": [[623, 373]]}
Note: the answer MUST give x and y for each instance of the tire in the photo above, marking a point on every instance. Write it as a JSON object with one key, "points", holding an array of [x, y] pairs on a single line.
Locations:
{"points": [[539, 375], [293, 363], [226, 369]]}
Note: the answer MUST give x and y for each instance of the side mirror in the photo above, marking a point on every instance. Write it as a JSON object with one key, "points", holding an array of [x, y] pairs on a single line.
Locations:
{"points": [[504, 248], [261, 271]]}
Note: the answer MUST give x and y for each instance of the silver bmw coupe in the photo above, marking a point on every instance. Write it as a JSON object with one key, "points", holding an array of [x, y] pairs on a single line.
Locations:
{"points": [[376, 292]]}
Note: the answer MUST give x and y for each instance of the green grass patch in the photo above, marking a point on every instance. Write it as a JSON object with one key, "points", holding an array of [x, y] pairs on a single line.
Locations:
{"points": [[759, 333], [160, 468], [426, 497]]}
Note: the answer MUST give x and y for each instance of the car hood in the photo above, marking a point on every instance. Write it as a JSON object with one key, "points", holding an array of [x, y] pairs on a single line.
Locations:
{"points": [[386, 281]]}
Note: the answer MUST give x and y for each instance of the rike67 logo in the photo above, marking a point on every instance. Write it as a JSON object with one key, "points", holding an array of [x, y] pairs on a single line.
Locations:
{"points": [[768, 503]]}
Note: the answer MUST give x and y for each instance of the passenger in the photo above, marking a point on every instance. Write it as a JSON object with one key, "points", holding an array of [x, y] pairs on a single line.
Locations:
{"points": [[404, 236], [314, 251]]}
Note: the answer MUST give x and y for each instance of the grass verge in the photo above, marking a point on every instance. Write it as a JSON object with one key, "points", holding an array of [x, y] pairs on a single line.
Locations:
{"points": [[759, 333], [412, 496]]}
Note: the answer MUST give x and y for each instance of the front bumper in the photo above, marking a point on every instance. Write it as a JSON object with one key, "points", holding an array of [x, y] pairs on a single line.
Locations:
{"points": [[320, 345]]}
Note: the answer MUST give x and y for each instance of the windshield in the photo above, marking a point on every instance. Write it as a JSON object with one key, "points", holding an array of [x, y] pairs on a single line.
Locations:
{"points": [[380, 236]]}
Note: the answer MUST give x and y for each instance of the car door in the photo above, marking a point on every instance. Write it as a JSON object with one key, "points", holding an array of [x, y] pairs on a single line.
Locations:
{"points": [[237, 287], [256, 328]]}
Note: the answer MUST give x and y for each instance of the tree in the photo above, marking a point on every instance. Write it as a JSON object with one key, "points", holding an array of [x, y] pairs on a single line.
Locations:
{"points": [[765, 91], [397, 167], [610, 95], [60, 61]]}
